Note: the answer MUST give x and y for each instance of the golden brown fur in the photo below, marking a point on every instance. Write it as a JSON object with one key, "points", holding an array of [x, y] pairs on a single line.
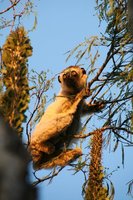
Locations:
{"points": [[51, 139]]}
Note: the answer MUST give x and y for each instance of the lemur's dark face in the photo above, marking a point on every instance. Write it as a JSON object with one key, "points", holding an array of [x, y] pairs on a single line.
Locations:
{"points": [[73, 79]]}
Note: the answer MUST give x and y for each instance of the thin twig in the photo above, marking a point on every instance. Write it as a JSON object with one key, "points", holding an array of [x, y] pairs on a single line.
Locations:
{"points": [[39, 180], [91, 133], [118, 100], [32, 114], [10, 7]]}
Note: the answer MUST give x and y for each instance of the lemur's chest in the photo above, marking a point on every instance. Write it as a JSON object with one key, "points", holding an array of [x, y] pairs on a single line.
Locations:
{"points": [[66, 105], [76, 123]]}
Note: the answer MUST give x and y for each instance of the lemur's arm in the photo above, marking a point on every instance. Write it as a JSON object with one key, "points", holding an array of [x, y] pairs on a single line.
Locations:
{"points": [[91, 108]]}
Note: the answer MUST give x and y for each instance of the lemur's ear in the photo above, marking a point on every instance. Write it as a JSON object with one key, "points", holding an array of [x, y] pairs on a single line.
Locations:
{"points": [[59, 79], [83, 71]]}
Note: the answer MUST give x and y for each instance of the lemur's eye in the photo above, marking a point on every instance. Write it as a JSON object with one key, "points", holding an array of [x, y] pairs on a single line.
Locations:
{"points": [[64, 76], [74, 73], [83, 71]]}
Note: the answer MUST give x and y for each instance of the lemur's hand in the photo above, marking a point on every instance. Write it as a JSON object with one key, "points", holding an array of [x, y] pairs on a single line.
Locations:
{"points": [[99, 105]]}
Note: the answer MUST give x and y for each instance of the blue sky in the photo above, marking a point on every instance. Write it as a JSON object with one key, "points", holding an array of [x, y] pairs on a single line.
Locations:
{"points": [[61, 26]]}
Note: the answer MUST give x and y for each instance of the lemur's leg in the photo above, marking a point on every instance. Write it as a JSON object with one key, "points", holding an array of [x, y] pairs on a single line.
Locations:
{"points": [[37, 150], [62, 159]]}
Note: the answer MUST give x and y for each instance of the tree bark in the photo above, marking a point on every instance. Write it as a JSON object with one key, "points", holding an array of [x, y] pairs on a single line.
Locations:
{"points": [[14, 184]]}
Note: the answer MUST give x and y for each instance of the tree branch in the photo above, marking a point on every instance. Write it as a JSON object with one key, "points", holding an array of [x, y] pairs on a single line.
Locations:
{"points": [[104, 129], [118, 100], [39, 180], [10, 7]]}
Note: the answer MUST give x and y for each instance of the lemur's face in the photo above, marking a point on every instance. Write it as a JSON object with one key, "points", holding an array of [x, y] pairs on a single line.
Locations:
{"points": [[73, 79]]}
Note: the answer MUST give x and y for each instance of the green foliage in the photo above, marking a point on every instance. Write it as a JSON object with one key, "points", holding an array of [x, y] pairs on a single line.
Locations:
{"points": [[111, 81], [115, 72], [16, 51]]}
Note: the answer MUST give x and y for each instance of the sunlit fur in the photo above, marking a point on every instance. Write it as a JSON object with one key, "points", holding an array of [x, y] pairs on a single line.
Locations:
{"points": [[51, 141]]}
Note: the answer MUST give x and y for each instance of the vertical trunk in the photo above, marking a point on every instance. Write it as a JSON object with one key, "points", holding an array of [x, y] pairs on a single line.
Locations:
{"points": [[14, 177]]}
